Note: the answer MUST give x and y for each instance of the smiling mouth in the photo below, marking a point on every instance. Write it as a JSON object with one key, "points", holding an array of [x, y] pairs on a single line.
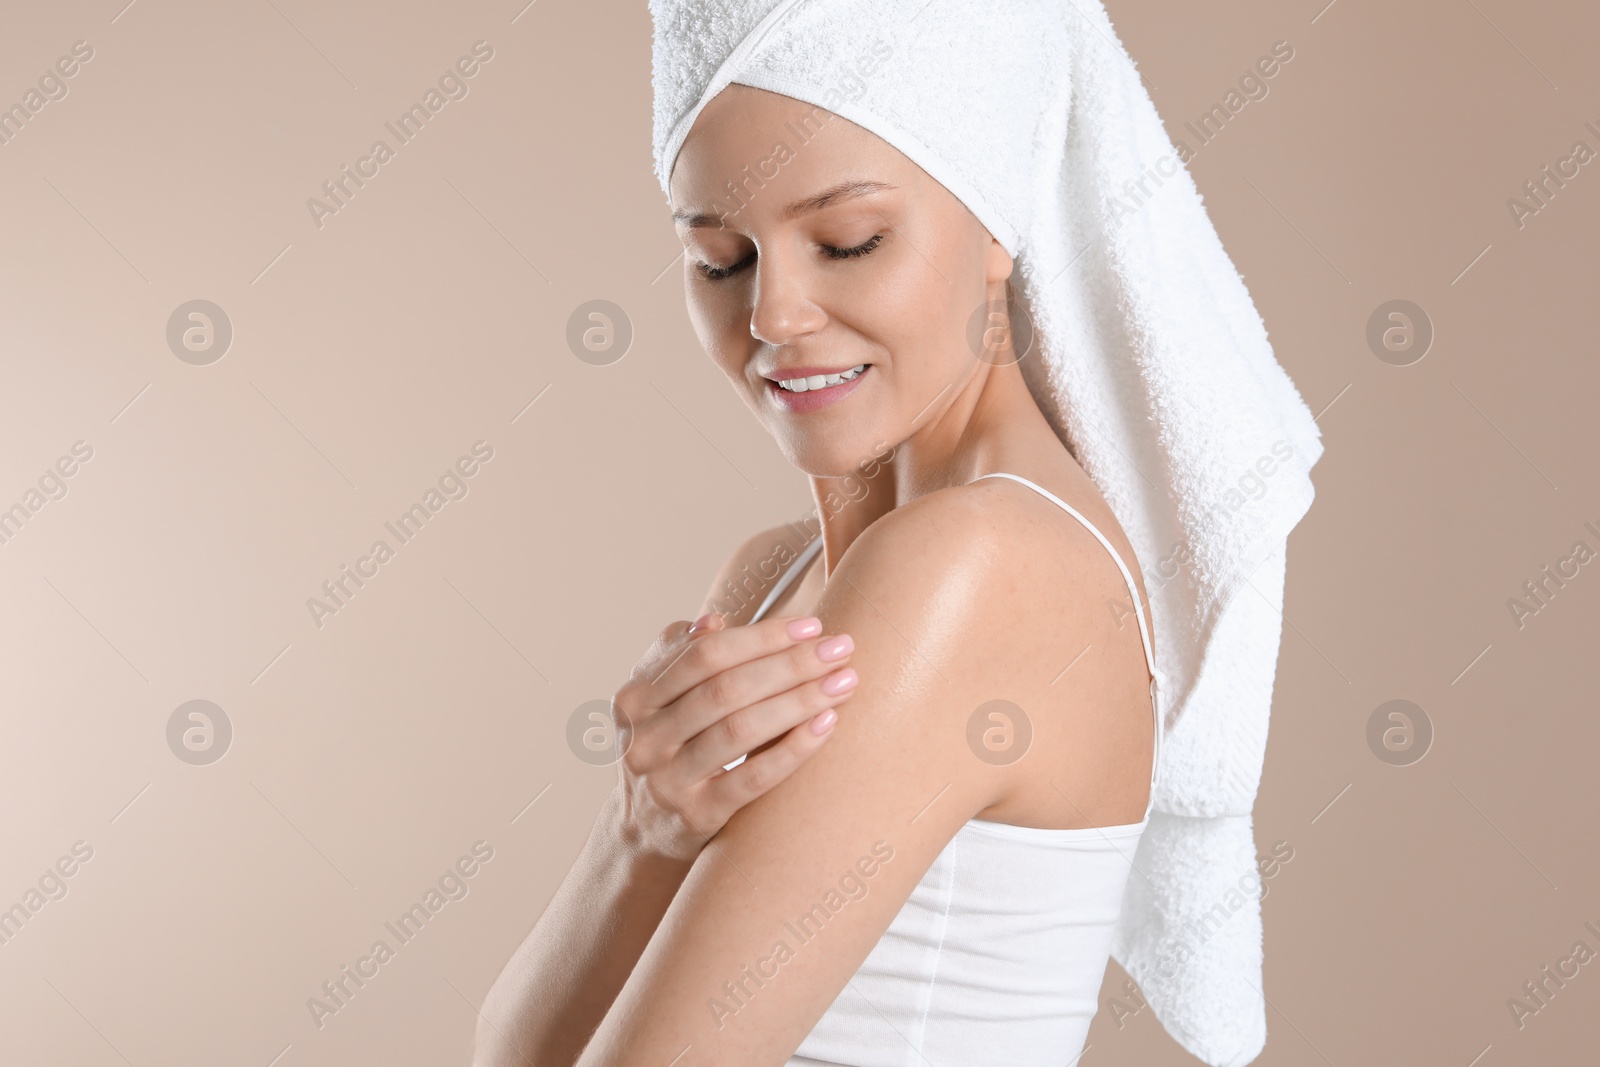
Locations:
{"points": [[817, 381]]}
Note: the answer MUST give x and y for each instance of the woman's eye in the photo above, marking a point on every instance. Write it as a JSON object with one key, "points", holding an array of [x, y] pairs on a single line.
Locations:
{"points": [[850, 253], [714, 272]]}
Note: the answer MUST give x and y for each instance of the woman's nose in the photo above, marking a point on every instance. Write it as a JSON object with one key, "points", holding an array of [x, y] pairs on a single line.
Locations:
{"points": [[784, 309]]}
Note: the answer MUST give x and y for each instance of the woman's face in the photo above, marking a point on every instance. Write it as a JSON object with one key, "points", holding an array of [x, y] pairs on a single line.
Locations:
{"points": [[813, 247]]}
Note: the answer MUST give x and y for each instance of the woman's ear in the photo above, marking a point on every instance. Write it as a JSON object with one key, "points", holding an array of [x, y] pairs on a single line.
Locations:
{"points": [[999, 265]]}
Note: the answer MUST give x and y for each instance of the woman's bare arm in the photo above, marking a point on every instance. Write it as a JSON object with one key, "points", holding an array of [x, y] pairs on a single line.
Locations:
{"points": [[558, 985], [931, 593], [560, 982]]}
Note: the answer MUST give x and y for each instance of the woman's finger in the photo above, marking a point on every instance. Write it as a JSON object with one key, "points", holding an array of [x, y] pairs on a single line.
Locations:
{"points": [[641, 695], [668, 645], [709, 621], [710, 653], [743, 731], [716, 703], [732, 790]]}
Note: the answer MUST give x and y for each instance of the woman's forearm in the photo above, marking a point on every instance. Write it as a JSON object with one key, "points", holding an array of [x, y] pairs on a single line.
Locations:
{"points": [[562, 980], [565, 976]]}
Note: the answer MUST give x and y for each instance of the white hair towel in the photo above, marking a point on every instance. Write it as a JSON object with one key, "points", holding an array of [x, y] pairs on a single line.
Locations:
{"points": [[1151, 363]]}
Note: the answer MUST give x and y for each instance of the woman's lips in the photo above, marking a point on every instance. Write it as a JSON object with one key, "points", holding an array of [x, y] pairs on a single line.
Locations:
{"points": [[815, 399]]}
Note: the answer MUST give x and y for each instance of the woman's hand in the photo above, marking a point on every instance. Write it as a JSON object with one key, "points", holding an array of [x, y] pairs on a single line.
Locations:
{"points": [[703, 696], [706, 694]]}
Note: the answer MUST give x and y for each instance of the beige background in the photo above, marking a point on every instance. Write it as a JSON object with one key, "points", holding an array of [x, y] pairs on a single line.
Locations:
{"points": [[368, 354]]}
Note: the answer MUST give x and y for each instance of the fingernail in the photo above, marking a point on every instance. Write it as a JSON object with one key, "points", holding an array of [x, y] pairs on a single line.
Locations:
{"points": [[824, 722], [835, 648], [839, 682], [702, 623], [803, 628]]}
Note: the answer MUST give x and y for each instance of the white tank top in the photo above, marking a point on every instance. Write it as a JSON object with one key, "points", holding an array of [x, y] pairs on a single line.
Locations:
{"points": [[998, 955]]}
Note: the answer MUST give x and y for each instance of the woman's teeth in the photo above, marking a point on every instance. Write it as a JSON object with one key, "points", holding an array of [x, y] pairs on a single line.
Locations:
{"points": [[819, 381]]}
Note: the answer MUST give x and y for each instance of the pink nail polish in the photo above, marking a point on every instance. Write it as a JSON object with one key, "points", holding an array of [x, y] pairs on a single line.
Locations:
{"points": [[835, 648], [839, 682], [824, 722], [800, 629]]}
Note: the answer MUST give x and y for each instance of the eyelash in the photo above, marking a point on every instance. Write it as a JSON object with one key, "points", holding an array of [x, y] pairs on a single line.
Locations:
{"points": [[863, 249]]}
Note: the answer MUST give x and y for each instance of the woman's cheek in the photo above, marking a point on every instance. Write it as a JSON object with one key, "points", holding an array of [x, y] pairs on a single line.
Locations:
{"points": [[709, 321]]}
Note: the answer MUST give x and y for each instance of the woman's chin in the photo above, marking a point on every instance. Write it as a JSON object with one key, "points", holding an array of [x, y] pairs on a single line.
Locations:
{"points": [[827, 456]]}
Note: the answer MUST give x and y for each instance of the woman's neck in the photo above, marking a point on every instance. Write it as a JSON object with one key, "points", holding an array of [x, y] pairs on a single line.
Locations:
{"points": [[985, 423]]}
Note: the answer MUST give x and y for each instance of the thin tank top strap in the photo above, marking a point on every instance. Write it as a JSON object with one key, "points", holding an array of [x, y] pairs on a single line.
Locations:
{"points": [[788, 577], [1133, 592]]}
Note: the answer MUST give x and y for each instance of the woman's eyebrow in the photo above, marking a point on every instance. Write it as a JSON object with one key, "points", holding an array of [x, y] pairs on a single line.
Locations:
{"points": [[845, 190], [698, 219]]}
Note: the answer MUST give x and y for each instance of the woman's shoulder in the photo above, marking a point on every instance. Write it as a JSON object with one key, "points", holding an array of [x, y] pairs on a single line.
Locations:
{"points": [[1006, 618], [992, 557], [752, 568], [1000, 528]]}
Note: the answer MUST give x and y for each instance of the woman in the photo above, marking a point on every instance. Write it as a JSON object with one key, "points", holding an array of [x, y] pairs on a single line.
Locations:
{"points": [[932, 873]]}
